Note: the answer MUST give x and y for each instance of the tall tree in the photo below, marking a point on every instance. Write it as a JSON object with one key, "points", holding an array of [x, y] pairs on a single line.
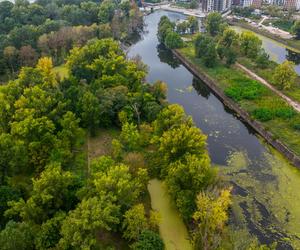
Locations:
{"points": [[285, 75]]}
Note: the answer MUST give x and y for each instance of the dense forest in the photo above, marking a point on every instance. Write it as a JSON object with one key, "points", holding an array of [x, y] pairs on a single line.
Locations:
{"points": [[52, 28], [53, 194]]}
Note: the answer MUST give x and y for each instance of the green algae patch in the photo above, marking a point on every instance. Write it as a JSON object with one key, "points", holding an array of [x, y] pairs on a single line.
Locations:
{"points": [[266, 200], [172, 228]]}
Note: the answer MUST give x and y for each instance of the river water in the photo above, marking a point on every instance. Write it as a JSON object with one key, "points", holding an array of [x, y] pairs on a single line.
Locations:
{"points": [[266, 202], [278, 52]]}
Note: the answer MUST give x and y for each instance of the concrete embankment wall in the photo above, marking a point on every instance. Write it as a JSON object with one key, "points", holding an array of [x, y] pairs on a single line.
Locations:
{"points": [[290, 155]]}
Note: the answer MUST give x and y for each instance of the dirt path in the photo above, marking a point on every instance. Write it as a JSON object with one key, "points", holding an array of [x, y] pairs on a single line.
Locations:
{"points": [[294, 104]]}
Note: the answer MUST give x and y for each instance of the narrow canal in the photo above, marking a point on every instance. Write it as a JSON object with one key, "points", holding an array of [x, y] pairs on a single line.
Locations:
{"points": [[266, 198]]}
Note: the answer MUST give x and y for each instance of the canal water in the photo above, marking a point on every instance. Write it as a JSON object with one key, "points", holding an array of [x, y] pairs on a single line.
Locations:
{"points": [[278, 52], [266, 199]]}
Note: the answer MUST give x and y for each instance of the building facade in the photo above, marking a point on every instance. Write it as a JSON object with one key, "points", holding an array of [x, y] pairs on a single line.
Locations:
{"points": [[215, 5]]}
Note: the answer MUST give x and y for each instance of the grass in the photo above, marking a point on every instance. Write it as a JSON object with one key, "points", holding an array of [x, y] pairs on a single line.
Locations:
{"points": [[281, 24], [261, 99], [268, 72]]}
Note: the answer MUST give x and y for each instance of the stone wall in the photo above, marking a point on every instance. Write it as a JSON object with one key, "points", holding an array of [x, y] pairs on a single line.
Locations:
{"points": [[281, 147]]}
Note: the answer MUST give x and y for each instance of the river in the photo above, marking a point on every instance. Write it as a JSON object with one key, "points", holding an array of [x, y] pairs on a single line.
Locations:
{"points": [[278, 52], [266, 199]]}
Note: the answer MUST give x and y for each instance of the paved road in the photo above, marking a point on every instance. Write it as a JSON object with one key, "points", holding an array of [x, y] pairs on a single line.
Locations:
{"points": [[294, 104]]}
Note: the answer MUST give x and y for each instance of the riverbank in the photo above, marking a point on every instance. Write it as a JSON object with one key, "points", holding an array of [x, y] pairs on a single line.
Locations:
{"points": [[290, 44], [275, 132]]}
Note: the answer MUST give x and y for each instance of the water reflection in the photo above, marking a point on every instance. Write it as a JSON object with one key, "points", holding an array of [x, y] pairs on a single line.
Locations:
{"points": [[166, 56], [293, 56]]}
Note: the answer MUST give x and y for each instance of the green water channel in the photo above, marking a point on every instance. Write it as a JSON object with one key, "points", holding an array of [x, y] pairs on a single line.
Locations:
{"points": [[172, 229]]}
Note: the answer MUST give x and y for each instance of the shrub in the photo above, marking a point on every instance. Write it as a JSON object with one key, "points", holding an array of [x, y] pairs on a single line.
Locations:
{"points": [[263, 114]]}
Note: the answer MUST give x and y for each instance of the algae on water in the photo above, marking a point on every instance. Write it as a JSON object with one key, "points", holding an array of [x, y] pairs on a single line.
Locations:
{"points": [[266, 201]]}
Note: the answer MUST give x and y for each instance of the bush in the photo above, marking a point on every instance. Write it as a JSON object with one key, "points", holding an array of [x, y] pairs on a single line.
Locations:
{"points": [[249, 90], [285, 112], [148, 240], [263, 114]]}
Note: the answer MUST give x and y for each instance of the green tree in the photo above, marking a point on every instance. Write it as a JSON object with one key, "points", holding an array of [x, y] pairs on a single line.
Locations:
{"points": [[250, 44], [210, 219], [186, 178], [178, 142], [229, 38], [17, 236], [130, 136], [193, 24], [214, 23], [296, 29], [135, 222], [149, 240], [106, 11], [52, 192], [173, 40], [91, 215], [49, 232], [170, 117], [90, 111], [285, 75]]}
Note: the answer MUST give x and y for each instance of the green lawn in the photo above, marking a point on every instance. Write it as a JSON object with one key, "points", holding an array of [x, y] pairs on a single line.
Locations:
{"points": [[259, 101]]}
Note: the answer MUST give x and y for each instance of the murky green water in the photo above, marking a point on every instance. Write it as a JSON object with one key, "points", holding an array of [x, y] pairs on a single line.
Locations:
{"points": [[171, 227]]}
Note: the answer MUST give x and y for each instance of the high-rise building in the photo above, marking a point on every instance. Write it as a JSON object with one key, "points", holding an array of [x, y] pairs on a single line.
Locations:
{"points": [[216, 5], [291, 4]]}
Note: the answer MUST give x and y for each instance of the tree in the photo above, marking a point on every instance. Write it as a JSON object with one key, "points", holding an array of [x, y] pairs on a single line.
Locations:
{"points": [[12, 156], [193, 24], [52, 192], [210, 55], [49, 233], [135, 222], [178, 142], [205, 48], [262, 59], [28, 56], [214, 23], [229, 38], [106, 11], [285, 75], [10, 54], [231, 56], [170, 117], [89, 111], [118, 182], [91, 215], [250, 44], [148, 240], [210, 219], [296, 29], [173, 40], [164, 27], [186, 178], [130, 136], [17, 236]]}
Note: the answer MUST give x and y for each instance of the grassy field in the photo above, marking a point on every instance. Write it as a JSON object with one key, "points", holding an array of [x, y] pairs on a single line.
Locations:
{"points": [[260, 102], [268, 72]]}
